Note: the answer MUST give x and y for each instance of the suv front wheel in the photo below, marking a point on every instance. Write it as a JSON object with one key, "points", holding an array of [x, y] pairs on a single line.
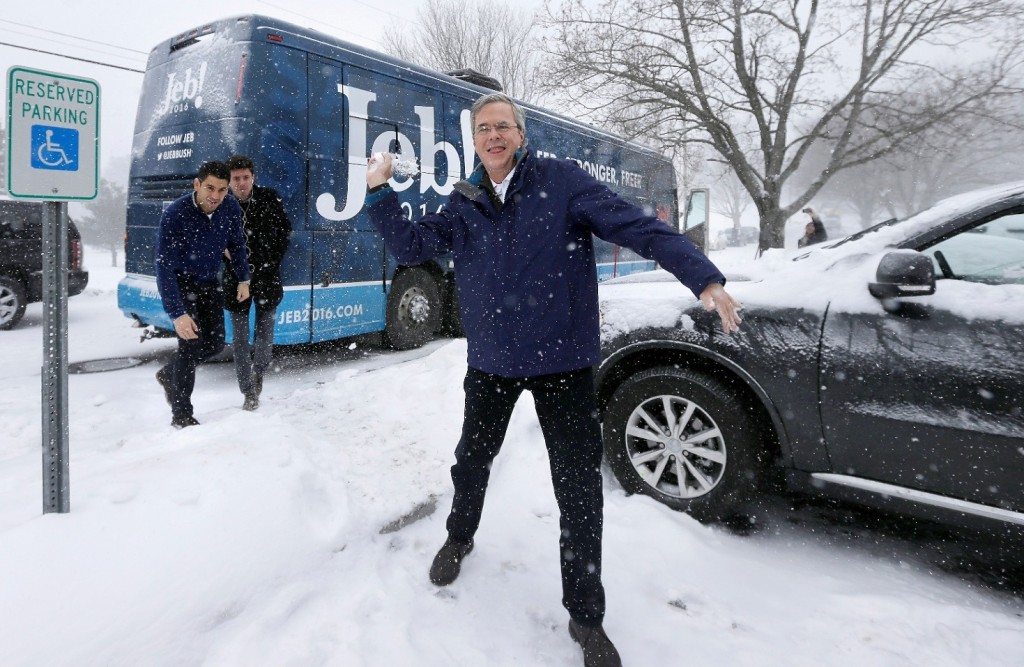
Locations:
{"points": [[12, 302], [684, 439]]}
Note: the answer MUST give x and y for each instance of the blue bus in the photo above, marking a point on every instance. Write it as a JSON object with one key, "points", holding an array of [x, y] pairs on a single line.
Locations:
{"points": [[309, 109]]}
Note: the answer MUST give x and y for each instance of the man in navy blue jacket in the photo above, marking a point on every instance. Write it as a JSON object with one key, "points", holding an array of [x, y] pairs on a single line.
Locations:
{"points": [[195, 230], [520, 229]]}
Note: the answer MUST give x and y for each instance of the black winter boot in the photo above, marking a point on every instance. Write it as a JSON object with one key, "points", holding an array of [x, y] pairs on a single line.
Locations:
{"points": [[184, 422], [448, 562], [598, 650], [163, 376], [252, 401]]}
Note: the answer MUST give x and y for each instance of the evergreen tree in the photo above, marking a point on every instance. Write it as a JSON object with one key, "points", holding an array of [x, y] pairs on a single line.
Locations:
{"points": [[104, 222]]}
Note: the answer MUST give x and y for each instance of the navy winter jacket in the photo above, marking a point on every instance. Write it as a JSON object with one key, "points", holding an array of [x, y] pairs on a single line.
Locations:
{"points": [[525, 271], [190, 245]]}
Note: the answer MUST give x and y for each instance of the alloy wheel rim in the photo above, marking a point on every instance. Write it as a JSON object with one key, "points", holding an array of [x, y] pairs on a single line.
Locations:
{"points": [[675, 447], [8, 304]]}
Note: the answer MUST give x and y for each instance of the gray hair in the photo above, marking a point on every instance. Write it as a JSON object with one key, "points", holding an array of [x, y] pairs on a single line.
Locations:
{"points": [[491, 98]]}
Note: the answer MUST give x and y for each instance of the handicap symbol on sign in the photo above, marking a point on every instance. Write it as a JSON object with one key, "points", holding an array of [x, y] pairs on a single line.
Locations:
{"points": [[54, 148]]}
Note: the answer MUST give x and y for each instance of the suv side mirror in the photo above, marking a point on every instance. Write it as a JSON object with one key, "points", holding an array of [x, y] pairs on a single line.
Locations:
{"points": [[903, 273]]}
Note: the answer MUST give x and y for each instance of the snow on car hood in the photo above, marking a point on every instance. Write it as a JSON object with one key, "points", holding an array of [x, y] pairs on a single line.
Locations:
{"points": [[834, 276], [808, 285], [634, 305]]}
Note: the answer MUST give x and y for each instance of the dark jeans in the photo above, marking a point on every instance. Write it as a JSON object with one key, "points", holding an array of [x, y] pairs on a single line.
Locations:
{"points": [[567, 410], [205, 304], [251, 361]]}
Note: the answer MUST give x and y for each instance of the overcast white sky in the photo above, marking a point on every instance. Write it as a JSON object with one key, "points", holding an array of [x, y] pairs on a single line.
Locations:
{"points": [[122, 33]]}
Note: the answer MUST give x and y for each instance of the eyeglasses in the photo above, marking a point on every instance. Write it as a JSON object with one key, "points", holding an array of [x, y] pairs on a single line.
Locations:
{"points": [[500, 128]]}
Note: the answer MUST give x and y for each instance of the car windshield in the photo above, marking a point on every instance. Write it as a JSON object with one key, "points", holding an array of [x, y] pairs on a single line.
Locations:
{"points": [[864, 232]]}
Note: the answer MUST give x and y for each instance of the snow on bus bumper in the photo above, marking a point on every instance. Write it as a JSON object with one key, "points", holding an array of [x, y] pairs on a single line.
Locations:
{"points": [[338, 311], [139, 299]]}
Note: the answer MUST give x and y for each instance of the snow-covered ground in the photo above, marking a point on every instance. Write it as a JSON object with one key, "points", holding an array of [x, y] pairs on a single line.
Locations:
{"points": [[291, 536]]}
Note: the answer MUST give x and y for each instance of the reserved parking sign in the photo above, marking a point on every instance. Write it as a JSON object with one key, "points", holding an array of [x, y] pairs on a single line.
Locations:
{"points": [[53, 140]]}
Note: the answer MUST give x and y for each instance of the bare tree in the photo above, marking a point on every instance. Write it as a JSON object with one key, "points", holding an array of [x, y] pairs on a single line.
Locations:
{"points": [[864, 188], [868, 189], [941, 161], [762, 82], [492, 38], [728, 195], [944, 162]]}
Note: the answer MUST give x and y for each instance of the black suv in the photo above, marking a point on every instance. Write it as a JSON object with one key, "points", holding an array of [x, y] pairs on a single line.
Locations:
{"points": [[21, 259], [887, 368]]}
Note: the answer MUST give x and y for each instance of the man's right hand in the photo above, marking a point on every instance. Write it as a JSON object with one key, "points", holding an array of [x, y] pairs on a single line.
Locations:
{"points": [[186, 327], [378, 169], [715, 297]]}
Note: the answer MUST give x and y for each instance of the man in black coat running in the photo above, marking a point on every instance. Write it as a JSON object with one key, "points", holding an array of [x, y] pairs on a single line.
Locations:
{"points": [[267, 230]]}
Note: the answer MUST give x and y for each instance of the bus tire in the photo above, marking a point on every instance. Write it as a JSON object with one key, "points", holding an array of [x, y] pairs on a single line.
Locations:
{"points": [[413, 309]]}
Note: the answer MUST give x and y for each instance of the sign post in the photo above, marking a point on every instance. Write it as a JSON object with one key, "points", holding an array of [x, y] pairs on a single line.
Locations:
{"points": [[56, 478], [53, 146]]}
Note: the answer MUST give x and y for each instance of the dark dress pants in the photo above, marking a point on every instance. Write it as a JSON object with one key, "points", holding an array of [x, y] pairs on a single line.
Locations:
{"points": [[567, 410], [205, 304], [251, 361]]}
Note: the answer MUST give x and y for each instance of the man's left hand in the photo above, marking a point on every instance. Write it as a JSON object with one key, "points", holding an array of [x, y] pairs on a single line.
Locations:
{"points": [[714, 297], [243, 292]]}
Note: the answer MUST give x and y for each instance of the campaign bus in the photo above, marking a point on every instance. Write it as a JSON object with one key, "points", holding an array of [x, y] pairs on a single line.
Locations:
{"points": [[309, 110]]}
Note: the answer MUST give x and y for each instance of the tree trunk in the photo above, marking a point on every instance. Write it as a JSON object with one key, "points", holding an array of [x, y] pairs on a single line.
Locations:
{"points": [[773, 230]]}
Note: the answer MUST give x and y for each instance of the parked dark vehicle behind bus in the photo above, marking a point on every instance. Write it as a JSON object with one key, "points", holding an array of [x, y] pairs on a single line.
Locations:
{"points": [[310, 109], [21, 259], [885, 368]]}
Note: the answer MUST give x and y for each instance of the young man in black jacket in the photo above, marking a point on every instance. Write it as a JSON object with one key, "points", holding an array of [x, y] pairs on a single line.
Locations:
{"points": [[267, 230]]}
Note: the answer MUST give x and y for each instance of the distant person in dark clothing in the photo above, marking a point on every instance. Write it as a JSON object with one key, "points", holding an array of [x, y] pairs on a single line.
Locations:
{"points": [[195, 230], [267, 230], [521, 232], [814, 232]]}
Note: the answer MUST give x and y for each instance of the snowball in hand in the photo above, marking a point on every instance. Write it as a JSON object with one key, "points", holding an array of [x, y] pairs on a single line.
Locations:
{"points": [[399, 167]]}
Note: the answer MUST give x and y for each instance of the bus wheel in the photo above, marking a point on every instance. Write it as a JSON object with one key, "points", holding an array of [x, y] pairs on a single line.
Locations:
{"points": [[413, 310]]}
